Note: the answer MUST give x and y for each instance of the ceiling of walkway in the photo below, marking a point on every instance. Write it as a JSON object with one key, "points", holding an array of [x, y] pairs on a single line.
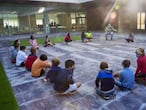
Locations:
{"points": [[49, 1], [23, 7]]}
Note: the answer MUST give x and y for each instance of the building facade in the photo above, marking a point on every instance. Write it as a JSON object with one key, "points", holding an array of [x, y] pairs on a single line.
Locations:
{"points": [[93, 15]]}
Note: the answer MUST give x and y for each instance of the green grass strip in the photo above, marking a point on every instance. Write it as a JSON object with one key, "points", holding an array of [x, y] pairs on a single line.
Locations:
{"points": [[7, 99], [25, 42]]}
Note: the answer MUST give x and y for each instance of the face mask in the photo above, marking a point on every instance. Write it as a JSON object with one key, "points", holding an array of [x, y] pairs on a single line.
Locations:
{"points": [[137, 55]]}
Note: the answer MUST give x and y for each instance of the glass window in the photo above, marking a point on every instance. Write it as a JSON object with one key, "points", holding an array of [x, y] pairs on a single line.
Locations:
{"points": [[11, 22], [141, 17], [138, 21], [142, 20], [39, 22], [73, 21]]}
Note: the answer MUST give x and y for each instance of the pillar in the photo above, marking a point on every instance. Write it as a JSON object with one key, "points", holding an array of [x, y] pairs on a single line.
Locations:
{"points": [[46, 23]]}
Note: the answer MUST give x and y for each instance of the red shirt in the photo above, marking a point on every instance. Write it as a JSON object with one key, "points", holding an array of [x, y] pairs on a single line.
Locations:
{"points": [[29, 61], [67, 38], [141, 65]]}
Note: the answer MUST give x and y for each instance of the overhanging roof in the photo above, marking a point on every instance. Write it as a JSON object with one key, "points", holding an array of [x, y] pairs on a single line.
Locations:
{"points": [[64, 1]]}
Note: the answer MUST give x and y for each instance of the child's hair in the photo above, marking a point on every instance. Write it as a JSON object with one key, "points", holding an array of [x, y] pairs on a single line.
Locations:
{"points": [[55, 61], [140, 51], [46, 36], [69, 63], [83, 33], [68, 34], [17, 41], [33, 50], [22, 47], [103, 65], [31, 37], [16, 44], [126, 63], [43, 57]]}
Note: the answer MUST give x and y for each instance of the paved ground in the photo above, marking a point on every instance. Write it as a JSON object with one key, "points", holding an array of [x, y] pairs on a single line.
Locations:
{"points": [[34, 94]]}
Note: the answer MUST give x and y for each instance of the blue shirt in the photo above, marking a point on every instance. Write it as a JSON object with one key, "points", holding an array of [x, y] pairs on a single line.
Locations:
{"points": [[105, 80], [126, 78]]}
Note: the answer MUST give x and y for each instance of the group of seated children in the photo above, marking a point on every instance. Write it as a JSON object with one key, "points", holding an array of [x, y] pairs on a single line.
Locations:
{"points": [[33, 42], [19, 56], [106, 80], [62, 77], [86, 37]]}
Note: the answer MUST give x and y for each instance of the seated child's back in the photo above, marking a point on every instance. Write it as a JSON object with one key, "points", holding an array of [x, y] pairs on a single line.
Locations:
{"points": [[53, 70], [104, 81], [31, 58]]}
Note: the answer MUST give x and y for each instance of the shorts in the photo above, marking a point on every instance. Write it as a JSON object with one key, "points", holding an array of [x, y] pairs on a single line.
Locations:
{"points": [[72, 87]]}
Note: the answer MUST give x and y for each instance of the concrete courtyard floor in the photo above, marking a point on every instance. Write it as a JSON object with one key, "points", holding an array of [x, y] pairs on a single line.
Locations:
{"points": [[33, 94]]}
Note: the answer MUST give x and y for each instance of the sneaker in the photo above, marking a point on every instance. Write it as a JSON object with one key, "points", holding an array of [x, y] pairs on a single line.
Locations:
{"points": [[109, 97]]}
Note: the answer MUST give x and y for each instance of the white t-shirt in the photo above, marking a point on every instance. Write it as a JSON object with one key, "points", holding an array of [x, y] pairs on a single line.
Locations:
{"points": [[21, 57]]}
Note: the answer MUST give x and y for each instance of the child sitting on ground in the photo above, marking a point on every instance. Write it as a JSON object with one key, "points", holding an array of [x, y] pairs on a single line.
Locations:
{"points": [[21, 57], [48, 42], [64, 83], [130, 38], [67, 38], [40, 66], [83, 37], [105, 82], [89, 36], [51, 75], [125, 78], [33, 42], [30, 59], [14, 50]]}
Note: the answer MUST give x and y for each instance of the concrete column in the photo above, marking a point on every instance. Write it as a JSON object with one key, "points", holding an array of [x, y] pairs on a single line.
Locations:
{"points": [[27, 23], [23, 24], [64, 19], [95, 19], [32, 23], [119, 22], [46, 23], [1, 26], [68, 21]]}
